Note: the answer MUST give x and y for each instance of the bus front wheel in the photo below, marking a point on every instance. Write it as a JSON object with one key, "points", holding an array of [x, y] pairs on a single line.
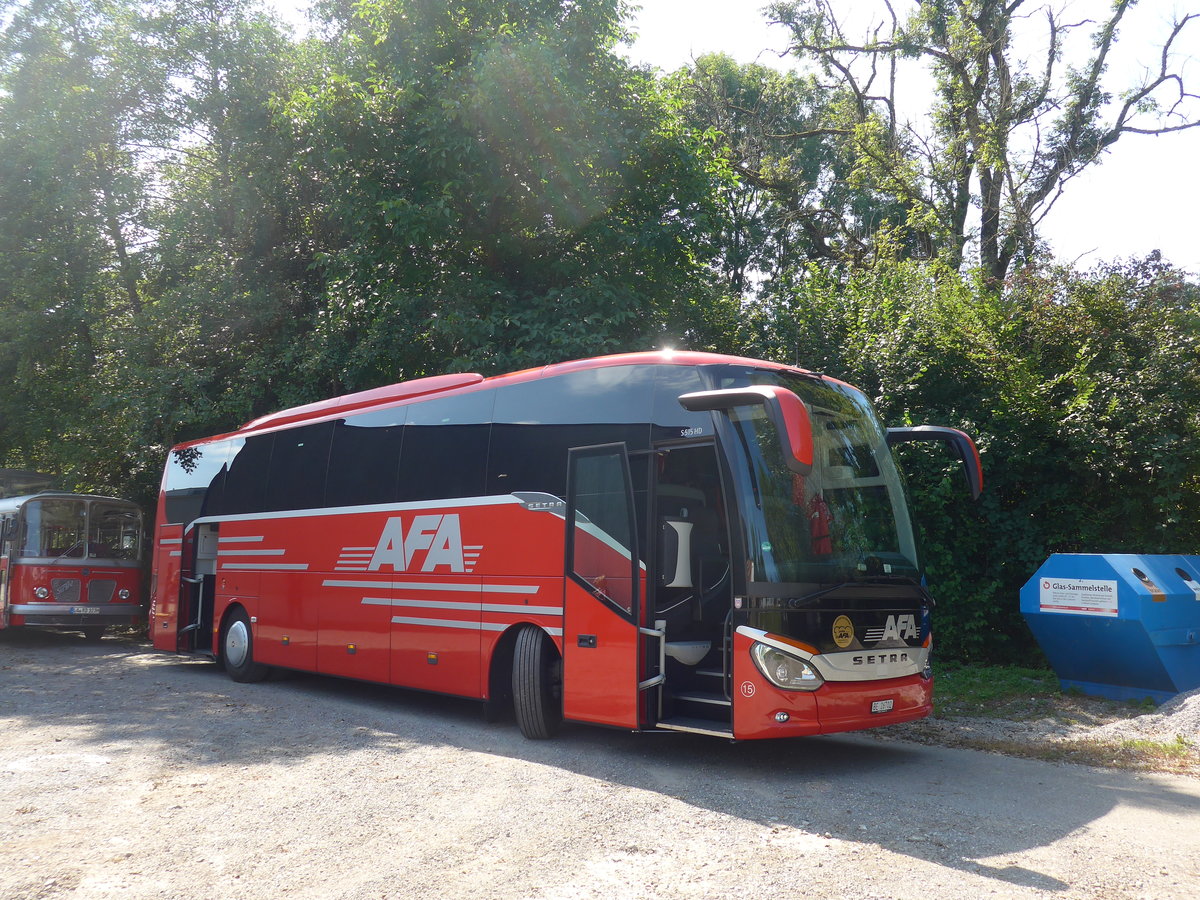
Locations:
{"points": [[237, 649], [536, 684]]}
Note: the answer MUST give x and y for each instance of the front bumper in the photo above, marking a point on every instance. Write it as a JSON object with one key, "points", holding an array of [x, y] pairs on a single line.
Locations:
{"points": [[77, 613]]}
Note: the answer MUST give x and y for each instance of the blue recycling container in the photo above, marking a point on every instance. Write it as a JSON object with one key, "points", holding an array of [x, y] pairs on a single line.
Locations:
{"points": [[1118, 625]]}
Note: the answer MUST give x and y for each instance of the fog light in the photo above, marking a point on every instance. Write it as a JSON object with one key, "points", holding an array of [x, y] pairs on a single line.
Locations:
{"points": [[41, 593], [781, 717], [123, 593]]}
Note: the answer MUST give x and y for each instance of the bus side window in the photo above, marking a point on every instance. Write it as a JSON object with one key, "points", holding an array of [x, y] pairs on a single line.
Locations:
{"points": [[445, 448], [245, 483], [191, 473], [364, 460], [299, 461]]}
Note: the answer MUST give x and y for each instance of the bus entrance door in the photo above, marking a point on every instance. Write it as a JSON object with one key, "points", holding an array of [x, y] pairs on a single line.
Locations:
{"points": [[601, 651], [196, 583], [4, 591]]}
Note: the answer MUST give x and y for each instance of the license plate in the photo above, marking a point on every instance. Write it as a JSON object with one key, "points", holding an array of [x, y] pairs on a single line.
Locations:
{"points": [[882, 706], [85, 610]]}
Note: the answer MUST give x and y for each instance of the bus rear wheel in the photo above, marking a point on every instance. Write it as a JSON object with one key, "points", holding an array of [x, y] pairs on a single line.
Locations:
{"points": [[237, 649], [536, 684]]}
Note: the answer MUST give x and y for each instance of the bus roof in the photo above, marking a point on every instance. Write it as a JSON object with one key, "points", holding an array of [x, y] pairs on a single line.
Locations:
{"points": [[393, 394]]}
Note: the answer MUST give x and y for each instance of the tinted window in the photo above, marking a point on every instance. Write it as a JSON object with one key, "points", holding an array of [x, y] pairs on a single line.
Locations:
{"points": [[364, 462], [538, 421], [190, 474], [616, 394], [246, 479], [299, 459], [445, 447], [672, 421], [534, 457]]}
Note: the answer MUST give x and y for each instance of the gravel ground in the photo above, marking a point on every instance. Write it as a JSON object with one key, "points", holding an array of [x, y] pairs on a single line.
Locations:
{"points": [[126, 773], [1176, 720], [1076, 728]]}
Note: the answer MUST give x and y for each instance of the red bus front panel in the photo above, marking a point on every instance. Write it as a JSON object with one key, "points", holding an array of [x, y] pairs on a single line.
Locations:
{"points": [[833, 707], [76, 595]]}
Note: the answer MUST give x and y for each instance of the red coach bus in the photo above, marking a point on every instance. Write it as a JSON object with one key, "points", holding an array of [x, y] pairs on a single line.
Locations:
{"points": [[70, 561], [673, 540]]}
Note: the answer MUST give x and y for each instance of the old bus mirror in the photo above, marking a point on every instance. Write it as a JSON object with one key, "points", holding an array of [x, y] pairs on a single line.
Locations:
{"points": [[959, 441], [786, 411]]}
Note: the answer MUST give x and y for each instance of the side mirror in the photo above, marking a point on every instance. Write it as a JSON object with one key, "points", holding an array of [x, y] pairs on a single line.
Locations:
{"points": [[786, 411], [959, 441]]}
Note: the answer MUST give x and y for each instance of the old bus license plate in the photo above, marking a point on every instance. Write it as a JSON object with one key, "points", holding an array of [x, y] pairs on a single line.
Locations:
{"points": [[85, 610], [882, 706]]}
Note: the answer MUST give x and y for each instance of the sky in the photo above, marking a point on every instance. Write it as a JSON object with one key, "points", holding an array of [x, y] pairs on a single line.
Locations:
{"points": [[1143, 196]]}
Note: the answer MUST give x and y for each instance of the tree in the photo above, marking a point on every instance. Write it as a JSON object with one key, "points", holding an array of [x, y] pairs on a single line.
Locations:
{"points": [[511, 192], [1006, 132], [235, 290], [78, 93], [792, 197]]}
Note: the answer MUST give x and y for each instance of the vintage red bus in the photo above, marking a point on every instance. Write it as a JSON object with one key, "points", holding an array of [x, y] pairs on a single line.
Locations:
{"points": [[671, 540], [70, 561]]}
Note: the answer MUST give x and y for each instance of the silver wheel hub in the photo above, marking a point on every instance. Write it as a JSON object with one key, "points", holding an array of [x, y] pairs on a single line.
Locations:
{"points": [[237, 644]]}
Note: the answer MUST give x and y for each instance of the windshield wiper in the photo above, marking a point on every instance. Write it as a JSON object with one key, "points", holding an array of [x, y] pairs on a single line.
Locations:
{"points": [[805, 599], [68, 552]]}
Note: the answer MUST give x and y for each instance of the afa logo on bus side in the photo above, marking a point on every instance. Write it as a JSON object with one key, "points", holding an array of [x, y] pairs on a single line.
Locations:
{"points": [[434, 540]]}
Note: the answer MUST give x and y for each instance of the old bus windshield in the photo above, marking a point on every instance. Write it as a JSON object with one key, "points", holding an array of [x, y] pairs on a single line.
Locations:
{"points": [[847, 517], [75, 528]]}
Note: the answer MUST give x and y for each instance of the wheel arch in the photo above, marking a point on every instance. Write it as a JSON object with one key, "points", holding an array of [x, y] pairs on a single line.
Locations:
{"points": [[499, 697], [227, 613]]}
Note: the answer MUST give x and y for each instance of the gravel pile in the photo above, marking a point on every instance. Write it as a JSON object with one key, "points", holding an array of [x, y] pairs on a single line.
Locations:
{"points": [[1178, 718]]}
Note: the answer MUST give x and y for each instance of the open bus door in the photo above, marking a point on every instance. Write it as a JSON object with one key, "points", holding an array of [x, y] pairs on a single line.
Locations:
{"points": [[602, 603], [195, 609]]}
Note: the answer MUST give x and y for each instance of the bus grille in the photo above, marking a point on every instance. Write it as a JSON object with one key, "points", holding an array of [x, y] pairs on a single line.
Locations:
{"points": [[66, 590], [101, 590]]}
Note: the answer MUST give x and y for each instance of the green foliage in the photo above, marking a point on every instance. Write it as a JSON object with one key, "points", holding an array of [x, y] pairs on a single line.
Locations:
{"points": [[791, 190], [510, 191]]}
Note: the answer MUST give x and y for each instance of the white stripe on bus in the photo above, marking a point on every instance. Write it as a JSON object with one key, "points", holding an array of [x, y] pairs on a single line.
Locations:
{"points": [[435, 586], [429, 604], [265, 567], [462, 605], [469, 626], [448, 505]]}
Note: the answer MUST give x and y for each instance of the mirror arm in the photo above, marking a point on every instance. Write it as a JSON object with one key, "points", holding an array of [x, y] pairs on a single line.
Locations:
{"points": [[959, 441]]}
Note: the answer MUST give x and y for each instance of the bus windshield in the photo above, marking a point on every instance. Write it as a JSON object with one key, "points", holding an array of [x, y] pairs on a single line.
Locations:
{"points": [[76, 528], [845, 519]]}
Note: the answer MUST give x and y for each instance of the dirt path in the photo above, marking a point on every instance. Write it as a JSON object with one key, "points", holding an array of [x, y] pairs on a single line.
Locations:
{"points": [[129, 774]]}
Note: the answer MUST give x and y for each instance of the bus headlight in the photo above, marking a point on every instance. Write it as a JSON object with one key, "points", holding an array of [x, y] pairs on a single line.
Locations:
{"points": [[123, 593], [41, 593], [784, 670]]}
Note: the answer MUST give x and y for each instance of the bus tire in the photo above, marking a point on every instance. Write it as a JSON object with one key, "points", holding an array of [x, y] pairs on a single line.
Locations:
{"points": [[237, 649], [536, 684]]}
